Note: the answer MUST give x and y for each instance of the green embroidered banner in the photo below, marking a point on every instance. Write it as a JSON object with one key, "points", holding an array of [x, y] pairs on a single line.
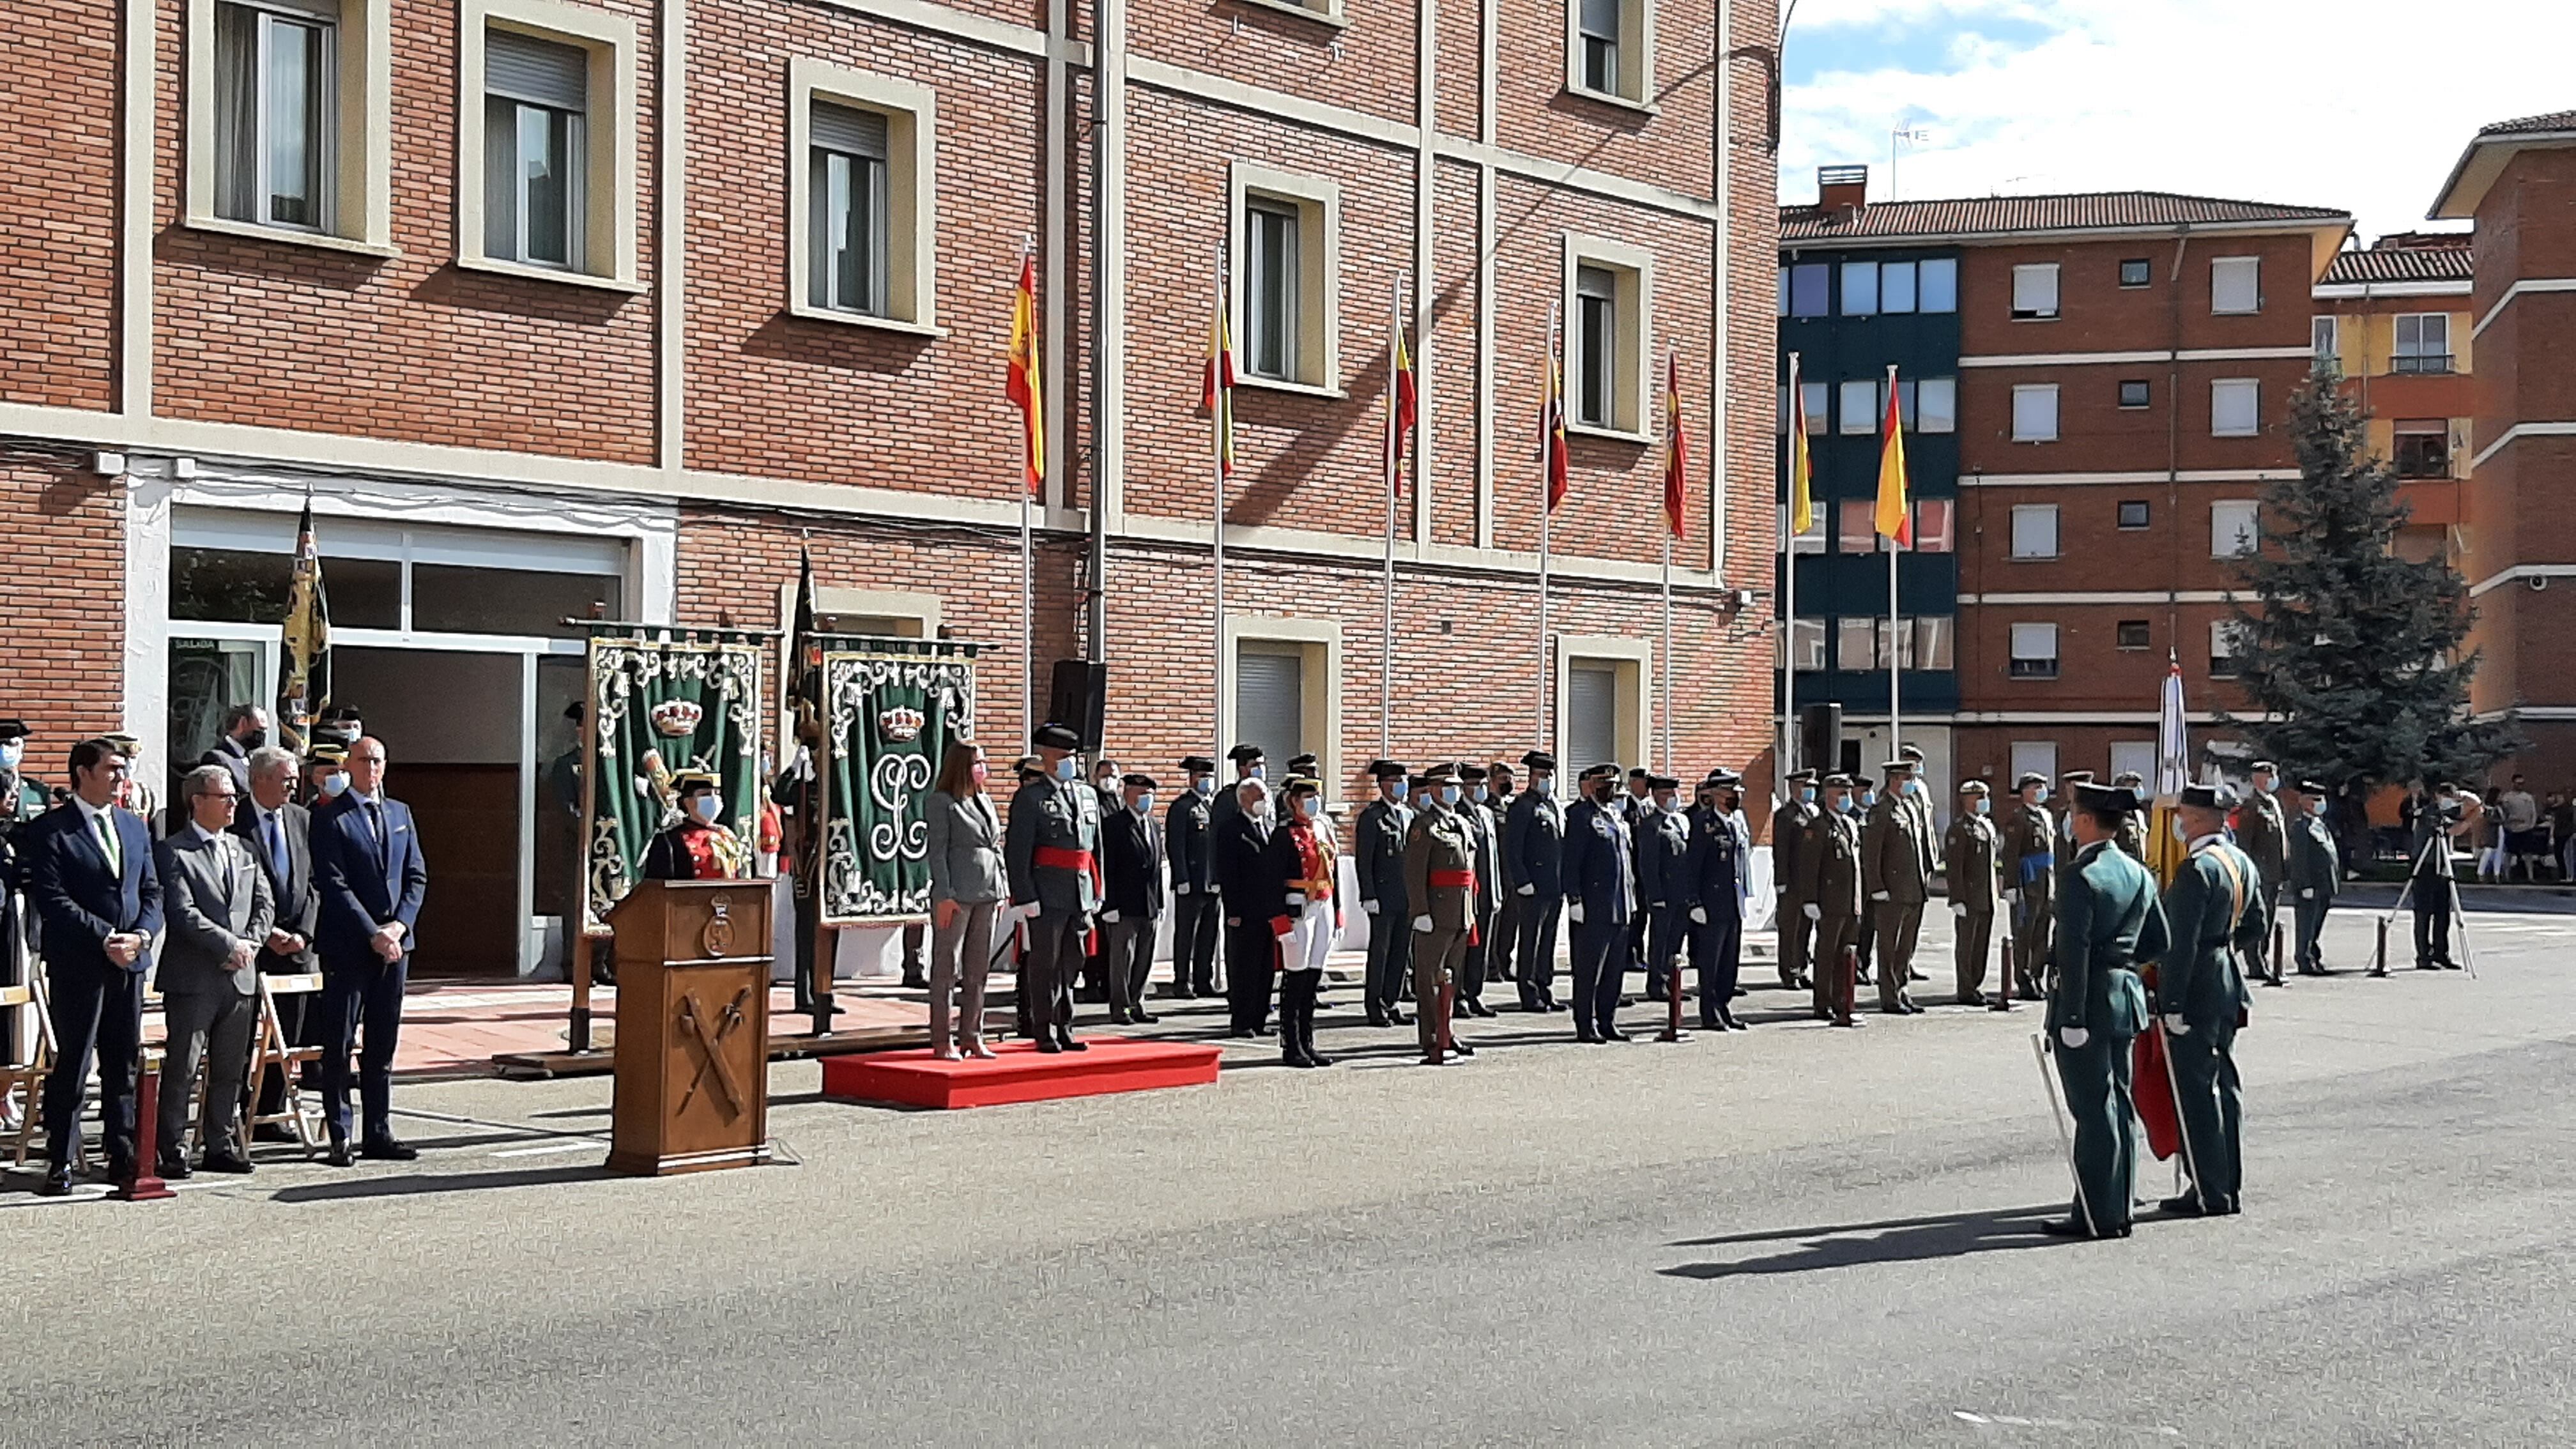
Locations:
{"points": [[663, 701], [891, 709]]}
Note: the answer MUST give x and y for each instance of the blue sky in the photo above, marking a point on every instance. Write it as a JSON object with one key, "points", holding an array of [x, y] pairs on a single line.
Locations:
{"points": [[2357, 104]]}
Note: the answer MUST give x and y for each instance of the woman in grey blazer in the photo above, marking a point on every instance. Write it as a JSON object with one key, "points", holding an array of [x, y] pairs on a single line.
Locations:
{"points": [[967, 887]]}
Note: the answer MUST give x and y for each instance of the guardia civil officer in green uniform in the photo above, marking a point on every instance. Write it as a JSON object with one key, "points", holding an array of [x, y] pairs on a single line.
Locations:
{"points": [[2316, 873], [22, 799], [2264, 835], [2108, 920], [2213, 910]]}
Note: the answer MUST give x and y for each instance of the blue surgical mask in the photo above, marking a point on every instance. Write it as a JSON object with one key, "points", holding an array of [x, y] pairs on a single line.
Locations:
{"points": [[1449, 794], [1668, 802], [1868, 798], [11, 752], [1068, 768], [1260, 772], [1544, 786], [1483, 794], [1205, 785], [2317, 808], [1807, 795], [1145, 803], [1310, 807], [334, 783], [707, 807], [1983, 807], [2040, 798], [1913, 787]]}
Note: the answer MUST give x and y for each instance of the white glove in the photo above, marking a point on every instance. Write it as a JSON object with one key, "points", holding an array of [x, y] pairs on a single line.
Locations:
{"points": [[1296, 898], [1421, 924], [1528, 889], [1109, 917], [1813, 911], [2012, 898], [1574, 912], [2074, 1036], [1369, 906], [2309, 894], [1180, 888], [1878, 895], [2175, 1025], [1699, 915], [1959, 909]]}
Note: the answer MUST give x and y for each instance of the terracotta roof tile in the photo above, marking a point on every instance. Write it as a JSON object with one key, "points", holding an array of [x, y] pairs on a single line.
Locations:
{"points": [[2524, 125], [2007, 215], [2408, 263]]}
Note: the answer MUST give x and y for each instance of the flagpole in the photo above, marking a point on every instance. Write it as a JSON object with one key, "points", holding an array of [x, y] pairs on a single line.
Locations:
{"points": [[1895, 709], [1216, 448], [1394, 467], [1789, 598], [1028, 556], [1546, 517], [1672, 405]]}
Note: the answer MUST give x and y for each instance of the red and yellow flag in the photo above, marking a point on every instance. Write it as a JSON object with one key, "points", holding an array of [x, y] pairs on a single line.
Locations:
{"points": [[1402, 406], [1026, 387], [1894, 517], [1802, 465], [1216, 386], [1676, 446], [1552, 426]]}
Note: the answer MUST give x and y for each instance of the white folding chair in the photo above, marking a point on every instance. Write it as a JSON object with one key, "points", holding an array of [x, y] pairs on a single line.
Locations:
{"points": [[270, 1048]]}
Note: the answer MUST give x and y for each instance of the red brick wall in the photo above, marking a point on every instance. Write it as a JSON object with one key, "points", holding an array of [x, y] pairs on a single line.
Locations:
{"points": [[1366, 65], [2093, 673], [58, 223], [2096, 435], [67, 616], [2097, 314], [2094, 552]]}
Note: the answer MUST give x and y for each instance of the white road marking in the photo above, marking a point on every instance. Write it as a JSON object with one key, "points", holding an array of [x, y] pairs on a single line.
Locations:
{"points": [[2017, 1421]]}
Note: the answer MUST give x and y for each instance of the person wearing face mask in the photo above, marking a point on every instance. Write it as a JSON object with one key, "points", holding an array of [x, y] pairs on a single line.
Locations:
{"points": [[1485, 833], [1195, 912], [1093, 985], [1897, 866], [245, 729], [1533, 871], [2315, 873], [1297, 870], [699, 846], [1132, 862], [1600, 879], [22, 799], [1789, 821], [1634, 807], [1248, 764], [2029, 847], [1662, 836], [1440, 881], [2264, 835], [1713, 894], [1857, 806], [2065, 826], [1504, 931], [2108, 920], [1377, 859], [1052, 848], [2213, 910], [1972, 860], [1829, 895], [326, 777], [1239, 843], [968, 879]]}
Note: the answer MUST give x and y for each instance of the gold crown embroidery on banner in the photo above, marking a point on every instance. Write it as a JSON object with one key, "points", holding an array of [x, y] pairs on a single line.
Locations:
{"points": [[901, 725], [676, 718]]}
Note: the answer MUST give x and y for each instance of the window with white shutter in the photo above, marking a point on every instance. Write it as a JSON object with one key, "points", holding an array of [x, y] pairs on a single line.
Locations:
{"points": [[2234, 528], [1270, 701], [2034, 292], [2034, 651], [1591, 716], [2235, 407], [2035, 757], [2034, 530], [2236, 285], [2034, 413], [2137, 757]]}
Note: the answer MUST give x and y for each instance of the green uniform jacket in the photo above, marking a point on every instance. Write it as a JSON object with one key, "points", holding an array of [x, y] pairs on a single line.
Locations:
{"points": [[1829, 866], [2108, 920], [2261, 834], [1971, 859], [1896, 858], [2028, 833], [2315, 864], [1788, 831], [1438, 839], [2211, 910]]}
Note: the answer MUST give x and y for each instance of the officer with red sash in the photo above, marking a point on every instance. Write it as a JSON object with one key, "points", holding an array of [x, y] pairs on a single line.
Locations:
{"points": [[700, 847], [1052, 850]]}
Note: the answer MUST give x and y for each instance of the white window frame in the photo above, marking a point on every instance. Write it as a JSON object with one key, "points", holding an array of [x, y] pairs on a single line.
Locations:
{"points": [[1807, 637], [1861, 422], [1634, 659], [2029, 281], [2235, 527], [1319, 642], [2026, 637], [2242, 271], [2325, 338], [2222, 649], [1634, 269], [358, 209], [1813, 540], [2397, 349], [911, 115], [2034, 390], [2137, 755], [2029, 520], [608, 241], [1318, 200], [1634, 60], [2250, 387]]}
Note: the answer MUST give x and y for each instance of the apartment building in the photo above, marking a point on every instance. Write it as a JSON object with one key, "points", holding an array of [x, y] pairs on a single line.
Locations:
{"points": [[2124, 363], [2516, 539], [554, 307], [2393, 319]]}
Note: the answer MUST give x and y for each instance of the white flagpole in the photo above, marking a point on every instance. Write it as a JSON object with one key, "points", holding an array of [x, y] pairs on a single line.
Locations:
{"points": [[1029, 565], [1789, 600], [1671, 403], [1895, 709], [1394, 470], [1546, 513], [1216, 441]]}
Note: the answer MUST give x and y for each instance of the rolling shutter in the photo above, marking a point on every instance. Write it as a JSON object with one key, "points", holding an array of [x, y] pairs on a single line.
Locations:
{"points": [[1591, 717], [540, 72], [850, 132], [1270, 706]]}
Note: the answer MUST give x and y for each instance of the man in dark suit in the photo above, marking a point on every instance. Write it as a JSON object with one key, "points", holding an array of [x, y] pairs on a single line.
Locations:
{"points": [[1251, 955], [1195, 912], [1600, 879], [280, 833], [1533, 862], [245, 730], [368, 870], [216, 899], [90, 876], [1131, 850]]}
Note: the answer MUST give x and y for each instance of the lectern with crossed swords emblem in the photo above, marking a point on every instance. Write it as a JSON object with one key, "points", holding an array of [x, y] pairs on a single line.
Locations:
{"points": [[692, 1027]]}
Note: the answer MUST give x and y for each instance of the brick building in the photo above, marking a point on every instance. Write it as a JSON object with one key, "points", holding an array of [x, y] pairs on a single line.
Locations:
{"points": [[559, 304], [2394, 320], [2118, 368]]}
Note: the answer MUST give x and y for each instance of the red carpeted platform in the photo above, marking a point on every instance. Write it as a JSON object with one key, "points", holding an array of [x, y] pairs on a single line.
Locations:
{"points": [[1021, 1073]]}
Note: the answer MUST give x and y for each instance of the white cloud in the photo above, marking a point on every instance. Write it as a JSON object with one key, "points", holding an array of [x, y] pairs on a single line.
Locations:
{"points": [[2356, 104]]}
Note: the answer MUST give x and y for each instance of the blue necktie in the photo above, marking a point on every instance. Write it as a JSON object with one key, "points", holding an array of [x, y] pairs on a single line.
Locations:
{"points": [[276, 843]]}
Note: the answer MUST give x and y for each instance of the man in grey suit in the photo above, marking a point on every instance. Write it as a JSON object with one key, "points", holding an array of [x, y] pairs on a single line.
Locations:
{"points": [[217, 902]]}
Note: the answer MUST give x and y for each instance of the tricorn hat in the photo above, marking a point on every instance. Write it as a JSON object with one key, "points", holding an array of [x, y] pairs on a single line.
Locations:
{"points": [[1053, 736], [1539, 760], [1137, 781], [1386, 769], [1197, 765], [1245, 753], [2311, 787], [684, 781], [2105, 798], [1444, 774], [13, 729], [1720, 775], [2204, 797], [1471, 772], [1800, 777]]}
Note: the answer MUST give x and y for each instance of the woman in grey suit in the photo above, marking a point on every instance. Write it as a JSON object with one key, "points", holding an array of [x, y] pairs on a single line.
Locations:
{"points": [[967, 886]]}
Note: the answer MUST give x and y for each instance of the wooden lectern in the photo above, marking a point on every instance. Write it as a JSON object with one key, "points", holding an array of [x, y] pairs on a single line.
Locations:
{"points": [[692, 1027]]}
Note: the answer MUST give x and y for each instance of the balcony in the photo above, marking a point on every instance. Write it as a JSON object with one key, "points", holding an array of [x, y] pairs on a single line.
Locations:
{"points": [[2425, 364]]}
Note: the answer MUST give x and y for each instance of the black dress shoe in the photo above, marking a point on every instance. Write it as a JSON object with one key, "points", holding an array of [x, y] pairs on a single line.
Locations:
{"points": [[227, 1162], [388, 1149], [1707, 1023], [1141, 1017], [1972, 998], [172, 1169], [1734, 1023], [340, 1155], [1587, 1038], [1265, 1029], [1117, 1018], [1612, 1033], [1051, 1046], [913, 980], [1460, 1048], [1398, 1018], [2076, 1228], [2189, 1205], [1066, 1040], [57, 1182], [1378, 1018], [1299, 1061]]}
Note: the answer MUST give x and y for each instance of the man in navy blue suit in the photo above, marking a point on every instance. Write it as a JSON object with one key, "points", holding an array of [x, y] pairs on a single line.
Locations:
{"points": [[367, 868], [90, 876], [1600, 881]]}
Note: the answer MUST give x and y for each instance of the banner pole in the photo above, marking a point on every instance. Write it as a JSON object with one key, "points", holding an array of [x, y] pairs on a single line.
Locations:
{"points": [[1789, 601], [1028, 618], [1895, 655], [1220, 400], [1394, 471], [577, 942], [1546, 516]]}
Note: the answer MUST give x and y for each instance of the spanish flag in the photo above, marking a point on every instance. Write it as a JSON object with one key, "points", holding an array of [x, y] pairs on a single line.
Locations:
{"points": [[1026, 387], [1802, 466], [1894, 518], [1552, 425], [1216, 386], [1402, 407], [1676, 446]]}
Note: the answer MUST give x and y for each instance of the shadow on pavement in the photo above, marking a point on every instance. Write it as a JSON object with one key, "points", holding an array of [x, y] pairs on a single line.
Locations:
{"points": [[1898, 1240], [420, 1184]]}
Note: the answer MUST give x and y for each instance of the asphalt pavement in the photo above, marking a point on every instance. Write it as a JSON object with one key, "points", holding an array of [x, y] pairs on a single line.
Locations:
{"points": [[1796, 1235]]}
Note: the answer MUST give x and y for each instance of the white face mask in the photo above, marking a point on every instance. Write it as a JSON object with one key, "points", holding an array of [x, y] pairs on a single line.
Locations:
{"points": [[334, 783], [706, 807], [2181, 832]]}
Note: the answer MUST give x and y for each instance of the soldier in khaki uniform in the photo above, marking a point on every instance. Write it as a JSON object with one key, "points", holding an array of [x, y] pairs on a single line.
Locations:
{"points": [[1440, 880], [1829, 894], [1896, 866], [2263, 833], [1919, 799], [2029, 863], [1971, 859], [1789, 822]]}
